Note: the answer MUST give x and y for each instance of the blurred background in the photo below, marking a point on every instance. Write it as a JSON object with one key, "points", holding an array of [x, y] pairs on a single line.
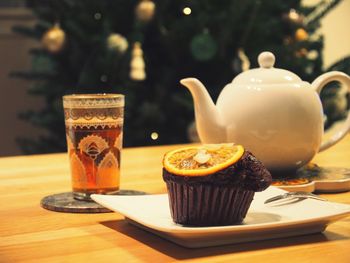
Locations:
{"points": [[142, 48]]}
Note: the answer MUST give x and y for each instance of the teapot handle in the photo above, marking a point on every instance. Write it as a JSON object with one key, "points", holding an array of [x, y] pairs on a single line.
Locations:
{"points": [[318, 85]]}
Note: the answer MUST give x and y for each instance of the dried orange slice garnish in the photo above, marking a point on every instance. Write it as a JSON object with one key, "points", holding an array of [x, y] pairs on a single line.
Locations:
{"points": [[287, 182], [202, 160]]}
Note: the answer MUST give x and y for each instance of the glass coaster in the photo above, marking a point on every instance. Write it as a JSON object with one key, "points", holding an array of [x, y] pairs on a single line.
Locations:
{"points": [[312, 178], [65, 202], [317, 173]]}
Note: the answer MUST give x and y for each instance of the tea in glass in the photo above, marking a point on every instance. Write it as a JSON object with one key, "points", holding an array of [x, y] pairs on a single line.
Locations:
{"points": [[94, 131]]}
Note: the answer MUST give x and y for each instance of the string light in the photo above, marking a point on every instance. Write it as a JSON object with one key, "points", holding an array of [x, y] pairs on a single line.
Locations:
{"points": [[187, 11], [293, 15], [154, 136]]}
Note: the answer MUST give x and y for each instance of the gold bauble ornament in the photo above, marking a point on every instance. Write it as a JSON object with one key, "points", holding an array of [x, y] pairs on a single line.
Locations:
{"points": [[301, 34], [54, 38], [145, 10], [117, 42]]}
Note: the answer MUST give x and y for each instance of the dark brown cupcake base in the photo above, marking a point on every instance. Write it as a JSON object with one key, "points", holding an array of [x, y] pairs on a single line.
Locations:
{"points": [[208, 205], [221, 198]]}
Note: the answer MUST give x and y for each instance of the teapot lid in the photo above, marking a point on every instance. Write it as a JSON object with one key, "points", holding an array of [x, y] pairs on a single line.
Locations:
{"points": [[266, 74]]}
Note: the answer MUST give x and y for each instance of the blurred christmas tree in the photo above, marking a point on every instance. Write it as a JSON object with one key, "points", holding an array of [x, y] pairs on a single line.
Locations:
{"points": [[142, 49]]}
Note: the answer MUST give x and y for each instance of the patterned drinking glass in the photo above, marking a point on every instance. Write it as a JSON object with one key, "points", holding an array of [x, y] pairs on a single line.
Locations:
{"points": [[94, 131]]}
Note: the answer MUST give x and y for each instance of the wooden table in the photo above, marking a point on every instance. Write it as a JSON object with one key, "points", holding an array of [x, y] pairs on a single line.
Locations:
{"points": [[29, 233]]}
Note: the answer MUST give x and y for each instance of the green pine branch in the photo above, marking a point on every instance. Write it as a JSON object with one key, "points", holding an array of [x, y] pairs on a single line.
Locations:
{"points": [[341, 65], [320, 11], [26, 31], [30, 75], [157, 104]]}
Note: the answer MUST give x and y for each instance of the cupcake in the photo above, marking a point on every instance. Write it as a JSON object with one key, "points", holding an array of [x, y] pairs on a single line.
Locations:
{"points": [[212, 185]]}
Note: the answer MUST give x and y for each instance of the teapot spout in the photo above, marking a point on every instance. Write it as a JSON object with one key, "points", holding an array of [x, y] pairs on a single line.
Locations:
{"points": [[209, 121]]}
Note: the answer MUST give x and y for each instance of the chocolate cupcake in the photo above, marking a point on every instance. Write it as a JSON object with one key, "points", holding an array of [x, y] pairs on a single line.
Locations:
{"points": [[212, 185]]}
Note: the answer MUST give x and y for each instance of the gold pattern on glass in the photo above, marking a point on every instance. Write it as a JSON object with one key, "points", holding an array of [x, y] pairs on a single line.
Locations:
{"points": [[70, 145], [119, 141], [107, 170], [78, 169], [93, 145]]}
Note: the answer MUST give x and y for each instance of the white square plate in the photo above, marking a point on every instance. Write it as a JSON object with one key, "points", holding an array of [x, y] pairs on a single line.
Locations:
{"points": [[263, 221]]}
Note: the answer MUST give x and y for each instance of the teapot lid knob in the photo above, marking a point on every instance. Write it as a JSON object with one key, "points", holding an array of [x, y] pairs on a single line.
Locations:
{"points": [[266, 59]]}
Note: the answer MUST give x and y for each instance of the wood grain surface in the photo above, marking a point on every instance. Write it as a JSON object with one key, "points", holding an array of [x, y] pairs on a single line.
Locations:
{"points": [[29, 233]]}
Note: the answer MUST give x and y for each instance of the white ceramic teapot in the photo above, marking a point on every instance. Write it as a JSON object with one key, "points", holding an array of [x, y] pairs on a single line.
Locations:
{"points": [[270, 111]]}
